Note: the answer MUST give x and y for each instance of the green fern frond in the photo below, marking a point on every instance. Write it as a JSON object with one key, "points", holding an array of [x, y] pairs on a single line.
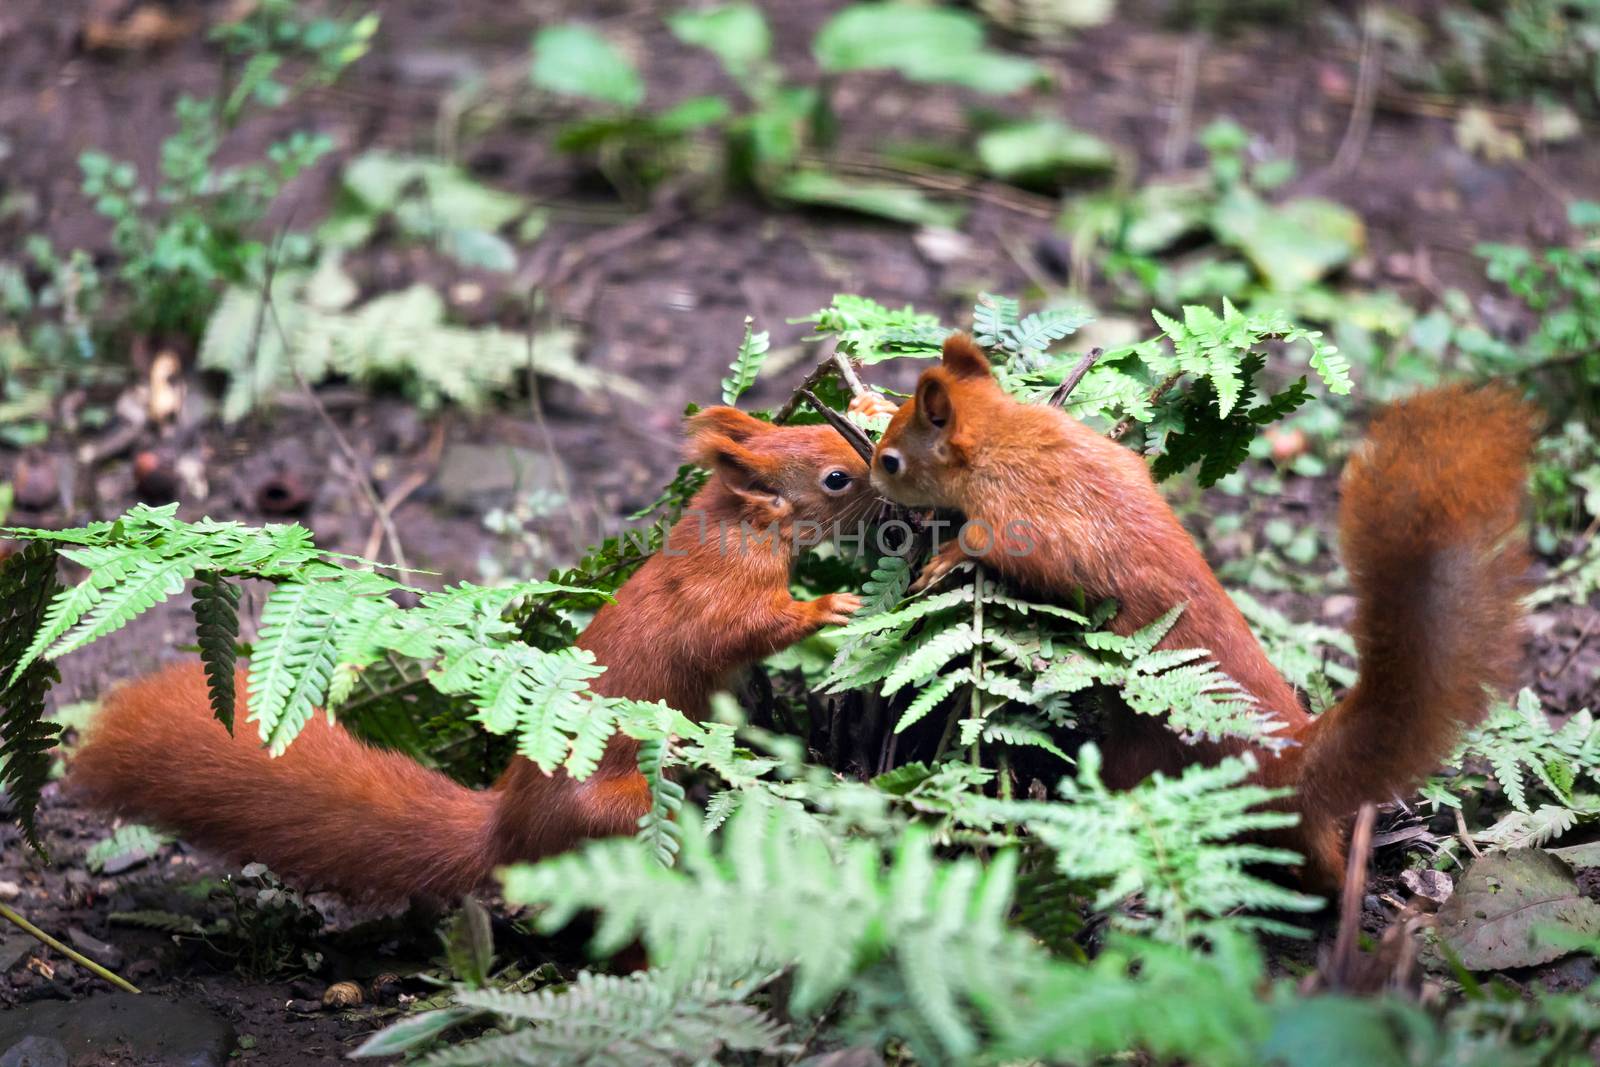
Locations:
{"points": [[28, 592], [638, 1020], [216, 617], [747, 364], [1173, 842], [657, 829], [294, 657], [132, 837], [993, 318], [775, 893]]}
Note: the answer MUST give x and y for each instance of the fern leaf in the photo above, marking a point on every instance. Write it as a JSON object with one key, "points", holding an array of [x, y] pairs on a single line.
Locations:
{"points": [[294, 658], [147, 583], [993, 318], [747, 364], [936, 691], [930, 655], [28, 593], [216, 616], [657, 830]]}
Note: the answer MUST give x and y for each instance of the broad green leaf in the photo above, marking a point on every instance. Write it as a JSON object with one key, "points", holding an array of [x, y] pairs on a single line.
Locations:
{"points": [[928, 44], [1043, 150], [736, 33], [1293, 244], [577, 61], [897, 202]]}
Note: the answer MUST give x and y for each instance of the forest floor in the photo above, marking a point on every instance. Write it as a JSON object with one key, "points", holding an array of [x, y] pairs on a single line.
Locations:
{"points": [[664, 309]]}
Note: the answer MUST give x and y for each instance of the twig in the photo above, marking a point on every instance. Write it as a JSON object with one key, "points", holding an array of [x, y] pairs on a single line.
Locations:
{"points": [[1342, 965], [1071, 381], [76, 957], [848, 430], [1369, 68], [1465, 835], [358, 472], [1177, 138], [847, 374], [1121, 429], [818, 375]]}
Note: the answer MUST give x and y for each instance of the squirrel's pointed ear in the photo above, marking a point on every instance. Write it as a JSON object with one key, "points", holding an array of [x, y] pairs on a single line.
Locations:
{"points": [[934, 405], [747, 473], [729, 422], [963, 358]]}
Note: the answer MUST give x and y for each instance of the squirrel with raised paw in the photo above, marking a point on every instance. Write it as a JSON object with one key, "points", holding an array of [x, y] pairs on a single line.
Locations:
{"points": [[1430, 527], [334, 813]]}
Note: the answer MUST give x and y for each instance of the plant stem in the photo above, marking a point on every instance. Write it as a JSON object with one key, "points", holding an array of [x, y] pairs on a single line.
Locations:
{"points": [[76, 957]]}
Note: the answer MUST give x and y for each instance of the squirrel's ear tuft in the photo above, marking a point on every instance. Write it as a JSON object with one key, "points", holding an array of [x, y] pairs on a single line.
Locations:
{"points": [[729, 422], [963, 358]]}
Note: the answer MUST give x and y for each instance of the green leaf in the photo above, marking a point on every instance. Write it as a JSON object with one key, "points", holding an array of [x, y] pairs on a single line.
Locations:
{"points": [[1291, 245], [27, 588], [747, 364], [412, 1032], [928, 44], [130, 843], [216, 616], [293, 658], [736, 33], [576, 61], [1043, 150], [901, 203]]}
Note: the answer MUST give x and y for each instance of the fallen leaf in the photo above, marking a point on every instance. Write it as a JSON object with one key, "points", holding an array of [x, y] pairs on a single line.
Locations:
{"points": [[1430, 885], [1490, 920]]}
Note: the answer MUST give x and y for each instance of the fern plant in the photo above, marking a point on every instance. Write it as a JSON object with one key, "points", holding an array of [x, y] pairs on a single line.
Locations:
{"points": [[1174, 843]]}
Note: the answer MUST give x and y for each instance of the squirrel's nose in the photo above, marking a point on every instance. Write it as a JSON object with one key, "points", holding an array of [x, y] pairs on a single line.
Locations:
{"points": [[889, 460]]}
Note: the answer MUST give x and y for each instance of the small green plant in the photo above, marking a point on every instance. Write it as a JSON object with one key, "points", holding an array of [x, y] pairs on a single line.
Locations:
{"points": [[776, 137], [197, 227], [1236, 243], [1561, 287]]}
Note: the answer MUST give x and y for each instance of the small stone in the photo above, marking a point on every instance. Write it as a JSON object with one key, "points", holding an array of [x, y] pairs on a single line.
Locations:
{"points": [[10, 891], [1430, 885], [102, 952], [35, 1051]]}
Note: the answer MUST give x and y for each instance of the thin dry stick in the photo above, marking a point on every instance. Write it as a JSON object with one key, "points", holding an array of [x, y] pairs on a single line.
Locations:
{"points": [[823, 370], [358, 472], [1071, 381], [1368, 70], [848, 430], [76, 957], [1342, 965], [1177, 138], [847, 373], [1466, 835]]}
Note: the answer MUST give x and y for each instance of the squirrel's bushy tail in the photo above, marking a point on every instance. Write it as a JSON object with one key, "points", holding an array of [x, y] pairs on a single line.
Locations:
{"points": [[1430, 529], [330, 812]]}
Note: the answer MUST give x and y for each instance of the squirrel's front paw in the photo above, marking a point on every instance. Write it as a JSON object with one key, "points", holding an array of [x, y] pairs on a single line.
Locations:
{"points": [[934, 571], [872, 405], [835, 609]]}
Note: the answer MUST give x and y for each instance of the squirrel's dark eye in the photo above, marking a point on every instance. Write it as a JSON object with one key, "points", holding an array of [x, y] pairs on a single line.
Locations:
{"points": [[836, 481]]}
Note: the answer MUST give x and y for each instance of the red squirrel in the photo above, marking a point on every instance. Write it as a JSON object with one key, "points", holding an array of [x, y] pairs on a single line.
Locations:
{"points": [[332, 812], [1430, 528]]}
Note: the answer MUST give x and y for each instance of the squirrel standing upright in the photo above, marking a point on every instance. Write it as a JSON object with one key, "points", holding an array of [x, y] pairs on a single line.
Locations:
{"points": [[1429, 525], [332, 812]]}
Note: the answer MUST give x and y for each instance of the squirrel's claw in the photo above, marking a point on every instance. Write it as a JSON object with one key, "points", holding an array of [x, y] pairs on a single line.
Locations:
{"points": [[871, 405], [835, 609], [939, 567]]}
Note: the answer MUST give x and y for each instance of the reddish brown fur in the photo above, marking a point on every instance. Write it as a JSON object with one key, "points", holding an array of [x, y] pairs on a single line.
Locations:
{"points": [[1429, 520], [332, 812]]}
